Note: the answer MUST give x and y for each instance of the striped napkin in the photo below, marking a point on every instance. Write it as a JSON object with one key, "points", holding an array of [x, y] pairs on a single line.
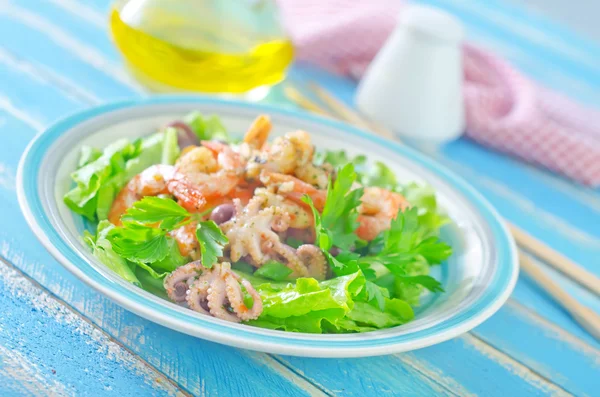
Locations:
{"points": [[504, 109]]}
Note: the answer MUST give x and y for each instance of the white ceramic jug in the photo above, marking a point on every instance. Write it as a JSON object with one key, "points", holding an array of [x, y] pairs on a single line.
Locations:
{"points": [[414, 84]]}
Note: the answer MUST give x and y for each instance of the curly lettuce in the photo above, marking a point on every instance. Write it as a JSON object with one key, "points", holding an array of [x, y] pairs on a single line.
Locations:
{"points": [[103, 174], [315, 306]]}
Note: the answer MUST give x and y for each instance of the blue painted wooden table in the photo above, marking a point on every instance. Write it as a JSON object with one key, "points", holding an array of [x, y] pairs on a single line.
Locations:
{"points": [[59, 337]]}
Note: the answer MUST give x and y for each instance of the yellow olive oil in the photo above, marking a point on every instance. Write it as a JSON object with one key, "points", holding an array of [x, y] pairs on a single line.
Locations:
{"points": [[174, 52]]}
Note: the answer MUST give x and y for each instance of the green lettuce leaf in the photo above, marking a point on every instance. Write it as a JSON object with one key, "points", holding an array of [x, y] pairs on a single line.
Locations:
{"points": [[170, 149], [396, 312], [305, 305], [152, 284], [206, 128], [381, 175], [274, 270], [100, 178], [102, 249], [423, 198]]}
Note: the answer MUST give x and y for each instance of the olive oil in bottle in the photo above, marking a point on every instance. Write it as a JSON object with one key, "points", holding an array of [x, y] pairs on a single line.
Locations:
{"points": [[212, 46]]}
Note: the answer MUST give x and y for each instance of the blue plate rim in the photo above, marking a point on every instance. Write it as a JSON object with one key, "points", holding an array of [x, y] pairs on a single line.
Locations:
{"points": [[501, 286]]}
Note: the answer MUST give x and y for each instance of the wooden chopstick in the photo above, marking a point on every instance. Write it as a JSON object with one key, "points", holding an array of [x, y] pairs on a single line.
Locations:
{"points": [[347, 114], [530, 243], [556, 259], [585, 316], [297, 97]]}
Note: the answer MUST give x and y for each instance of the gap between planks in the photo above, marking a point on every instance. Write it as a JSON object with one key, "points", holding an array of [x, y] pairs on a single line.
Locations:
{"points": [[525, 372], [558, 332], [165, 379]]}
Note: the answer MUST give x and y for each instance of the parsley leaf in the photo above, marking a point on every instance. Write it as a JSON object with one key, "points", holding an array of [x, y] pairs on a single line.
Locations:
{"points": [[139, 243], [164, 212], [340, 213], [335, 226], [143, 237], [375, 292], [212, 241], [426, 281], [405, 243]]}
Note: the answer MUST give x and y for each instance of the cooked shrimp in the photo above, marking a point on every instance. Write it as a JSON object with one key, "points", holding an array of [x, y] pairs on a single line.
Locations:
{"points": [[155, 180], [196, 159], [378, 208], [214, 169], [310, 173], [290, 151], [293, 188], [185, 236], [257, 134]]}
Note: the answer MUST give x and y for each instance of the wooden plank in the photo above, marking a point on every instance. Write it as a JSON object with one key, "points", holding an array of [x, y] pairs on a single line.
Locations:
{"points": [[463, 366], [549, 352], [423, 370], [45, 349], [40, 41]]}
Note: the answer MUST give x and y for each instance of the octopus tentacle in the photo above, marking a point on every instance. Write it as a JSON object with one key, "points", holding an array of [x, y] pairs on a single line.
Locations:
{"points": [[196, 299], [251, 227], [176, 284], [292, 260], [314, 260], [236, 299], [217, 299], [216, 291]]}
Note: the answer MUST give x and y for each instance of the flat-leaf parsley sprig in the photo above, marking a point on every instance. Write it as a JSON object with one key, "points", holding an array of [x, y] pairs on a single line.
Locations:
{"points": [[144, 236]]}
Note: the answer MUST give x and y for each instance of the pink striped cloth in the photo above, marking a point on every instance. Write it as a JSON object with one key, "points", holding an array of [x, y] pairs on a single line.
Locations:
{"points": [[504, 109]]}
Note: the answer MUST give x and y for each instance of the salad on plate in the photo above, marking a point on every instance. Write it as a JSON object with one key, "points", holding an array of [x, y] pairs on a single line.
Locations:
{"points": [[273, 234]]}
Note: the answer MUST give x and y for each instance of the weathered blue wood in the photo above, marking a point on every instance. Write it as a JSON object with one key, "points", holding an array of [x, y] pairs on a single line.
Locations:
{"points": [[45, 349], [462, 366], [547, 352], [98, 78], [531, 296], [457, 365], [27, 94]]}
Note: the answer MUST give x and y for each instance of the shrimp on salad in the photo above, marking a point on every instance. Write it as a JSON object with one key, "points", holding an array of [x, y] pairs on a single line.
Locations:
{"points": [[250, 219]]}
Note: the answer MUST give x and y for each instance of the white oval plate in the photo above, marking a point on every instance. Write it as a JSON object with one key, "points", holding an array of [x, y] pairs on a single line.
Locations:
{"points": [[478, 278]]}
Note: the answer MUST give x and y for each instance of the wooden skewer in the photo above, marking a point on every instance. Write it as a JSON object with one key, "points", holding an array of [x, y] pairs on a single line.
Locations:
{"points": [[585, 316], [530, 243]]}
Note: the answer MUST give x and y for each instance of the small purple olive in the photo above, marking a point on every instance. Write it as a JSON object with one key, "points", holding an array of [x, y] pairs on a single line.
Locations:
{"points": [[335, 251], [222, 213], [185, 136], [305, 235]]}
